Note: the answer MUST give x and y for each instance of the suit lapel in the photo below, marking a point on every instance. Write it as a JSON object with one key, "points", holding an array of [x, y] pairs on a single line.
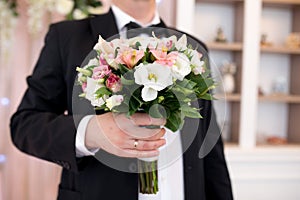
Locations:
{"points": [[104, 25]]}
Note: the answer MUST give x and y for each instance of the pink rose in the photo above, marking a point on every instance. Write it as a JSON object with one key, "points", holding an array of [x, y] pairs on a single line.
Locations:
{"points": [[102, 60], [169, 44], [83, 86], [130, 57], [165, 45], [163, 58], [100, 72], [113, 83], [159, 54]]}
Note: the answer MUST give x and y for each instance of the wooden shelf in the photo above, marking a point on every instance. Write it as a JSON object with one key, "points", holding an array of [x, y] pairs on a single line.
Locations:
{"points": [[239, 10], [281, 98], [231, 145], [280, 49], [229, 97], [279, 146], [282, 2], [225, 46]]}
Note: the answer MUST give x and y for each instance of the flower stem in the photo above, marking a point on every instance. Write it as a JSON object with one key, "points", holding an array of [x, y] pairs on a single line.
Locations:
{"points": [[142, 182], [148, 179]]}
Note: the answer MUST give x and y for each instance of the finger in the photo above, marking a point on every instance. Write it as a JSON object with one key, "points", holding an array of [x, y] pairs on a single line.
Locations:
{"points": [[143, 119], [145, 145], [131, 153], [134, 123], [130, 127], [158, 121], [157, 136], [143, 133]]}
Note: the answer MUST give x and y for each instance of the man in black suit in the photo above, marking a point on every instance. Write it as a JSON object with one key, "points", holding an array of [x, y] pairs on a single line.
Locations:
{"points": [[41, 126]]}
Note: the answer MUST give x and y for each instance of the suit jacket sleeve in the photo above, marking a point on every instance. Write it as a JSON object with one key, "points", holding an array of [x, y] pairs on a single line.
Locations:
{"points": [[217, 179], [40, 127]]}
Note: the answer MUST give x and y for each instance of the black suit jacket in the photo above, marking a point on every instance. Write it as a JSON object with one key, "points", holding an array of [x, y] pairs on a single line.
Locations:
{"points": [[41, 128]]}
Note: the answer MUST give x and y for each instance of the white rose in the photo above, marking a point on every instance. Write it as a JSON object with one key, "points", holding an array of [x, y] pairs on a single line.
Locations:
{"points": [[93, 62], [145, 41], [182, 67], [181, 44], [64, 6], [197, 64], [148, 42], [111, 61], [108, 50], [169, 42], [103, 46], [113, 101], [78, 14], [154, 77], [118, 43], [173, 38], [92, 87]]}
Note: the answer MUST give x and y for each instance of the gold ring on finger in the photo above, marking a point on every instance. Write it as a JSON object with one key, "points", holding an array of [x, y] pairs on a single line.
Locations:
{"points": [[136, 143]]}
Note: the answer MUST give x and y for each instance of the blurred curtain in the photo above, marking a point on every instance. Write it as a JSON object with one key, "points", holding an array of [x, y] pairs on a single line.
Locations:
{"points": [[24, 177]]}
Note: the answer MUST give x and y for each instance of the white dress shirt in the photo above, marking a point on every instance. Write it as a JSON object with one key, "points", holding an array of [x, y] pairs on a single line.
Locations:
{"points": [[170, 175]]}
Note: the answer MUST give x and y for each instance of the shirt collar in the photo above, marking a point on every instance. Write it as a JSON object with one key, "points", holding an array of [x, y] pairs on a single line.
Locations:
{"points": [[123, 18]]}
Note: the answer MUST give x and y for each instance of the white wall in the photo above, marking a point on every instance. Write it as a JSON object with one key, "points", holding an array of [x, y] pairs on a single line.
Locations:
{"points": [[265, 173]]}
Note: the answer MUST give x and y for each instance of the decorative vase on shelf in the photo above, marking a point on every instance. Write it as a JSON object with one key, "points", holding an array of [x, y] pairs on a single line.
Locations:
{"points": [[229, 85], [228, 70], [220, 36]]}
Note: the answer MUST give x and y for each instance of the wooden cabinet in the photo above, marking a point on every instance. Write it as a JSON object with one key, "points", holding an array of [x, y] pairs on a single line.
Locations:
{"points": [[258, 170], [282, 16], [252, 115], [228, 15]]}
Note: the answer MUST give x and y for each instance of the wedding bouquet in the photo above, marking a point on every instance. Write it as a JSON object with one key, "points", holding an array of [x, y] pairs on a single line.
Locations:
{"points": [[158, 76]]}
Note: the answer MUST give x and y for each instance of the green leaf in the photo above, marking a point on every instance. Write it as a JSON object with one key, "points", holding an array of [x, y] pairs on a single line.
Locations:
{"points": [[174, 121], [183, 90], [125, 81], [207, 96], [137, 45], [190, 112], [203, 84], [102, 91], [123, 108], [186, 83], [157, 111], [134, 104], [123, 69], [171, 103]]}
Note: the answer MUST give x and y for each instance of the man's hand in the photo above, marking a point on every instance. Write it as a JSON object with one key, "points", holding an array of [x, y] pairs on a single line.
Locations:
{"points": [[125, 137]]}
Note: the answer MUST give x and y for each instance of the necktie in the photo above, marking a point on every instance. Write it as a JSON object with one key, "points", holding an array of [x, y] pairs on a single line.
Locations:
{"points": [[131, 32], [134, 29], [132, 25]]}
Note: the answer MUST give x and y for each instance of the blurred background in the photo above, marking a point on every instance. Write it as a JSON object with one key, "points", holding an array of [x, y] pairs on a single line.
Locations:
{"points": [[254, 44]]}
